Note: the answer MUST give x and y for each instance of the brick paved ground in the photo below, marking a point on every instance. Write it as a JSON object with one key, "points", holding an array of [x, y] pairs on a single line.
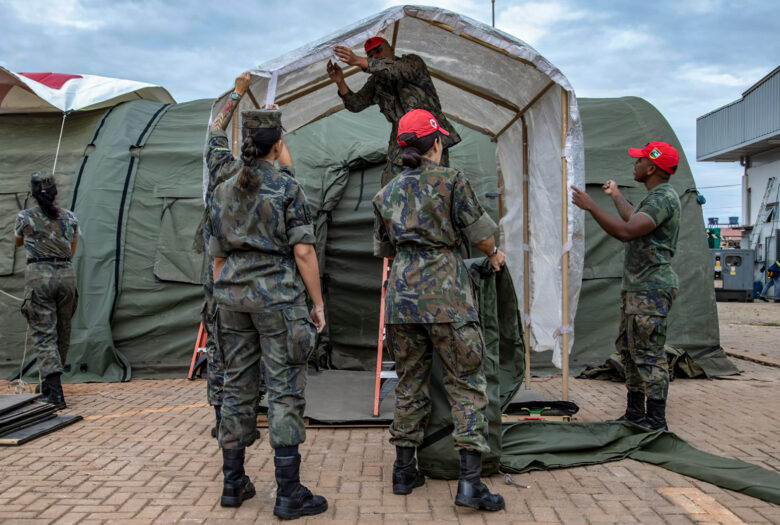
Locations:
{"points": [[144, 455]]}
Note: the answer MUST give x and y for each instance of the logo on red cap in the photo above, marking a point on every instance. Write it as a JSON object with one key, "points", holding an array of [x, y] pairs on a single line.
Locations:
{"points": [[419, 122], [662, 154]]}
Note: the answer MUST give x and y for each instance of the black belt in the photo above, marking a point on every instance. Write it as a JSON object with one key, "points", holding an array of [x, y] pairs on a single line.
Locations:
{"points": [[48, 259]]}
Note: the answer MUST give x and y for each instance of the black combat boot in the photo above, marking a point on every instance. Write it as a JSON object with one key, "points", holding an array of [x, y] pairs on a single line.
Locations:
{"points": [[237, 486], [51, 388], [635, 409], [471, 491], [406, 477], [293, 500], [656, 415], [218, 413]]}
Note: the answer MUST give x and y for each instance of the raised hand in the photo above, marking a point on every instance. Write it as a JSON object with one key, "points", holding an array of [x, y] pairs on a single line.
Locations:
{"points": [[335, 73], [242, 83], [581, 199], [610, 188]]}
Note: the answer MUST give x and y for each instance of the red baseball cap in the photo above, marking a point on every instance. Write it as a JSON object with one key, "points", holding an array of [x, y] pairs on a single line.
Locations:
{"points": [[662, 154], [419, 122], [373, 42]]}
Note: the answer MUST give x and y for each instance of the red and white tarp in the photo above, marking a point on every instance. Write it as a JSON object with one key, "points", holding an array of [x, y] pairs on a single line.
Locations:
{"points": [[60, 92]]}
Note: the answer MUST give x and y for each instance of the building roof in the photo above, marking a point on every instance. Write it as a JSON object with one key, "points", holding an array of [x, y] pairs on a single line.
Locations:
{"points": [[744, 127]]}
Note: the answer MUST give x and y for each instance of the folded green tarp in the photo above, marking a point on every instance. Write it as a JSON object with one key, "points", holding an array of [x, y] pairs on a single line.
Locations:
{"points": [[548, 445]]}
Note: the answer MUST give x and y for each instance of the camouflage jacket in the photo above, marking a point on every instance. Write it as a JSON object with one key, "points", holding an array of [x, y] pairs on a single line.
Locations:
{"points": [[255, 230], [420, 218], [45, 237], [648, 258], [399, 85]]}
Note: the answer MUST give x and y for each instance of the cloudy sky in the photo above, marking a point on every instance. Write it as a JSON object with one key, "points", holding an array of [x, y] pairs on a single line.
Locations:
{"points": [[687, 57]]}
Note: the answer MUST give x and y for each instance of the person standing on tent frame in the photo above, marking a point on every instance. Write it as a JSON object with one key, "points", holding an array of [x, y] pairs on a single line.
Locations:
{"points": [[262, 240], [48, 234], [396, 85], [649, 283], [221, 166], [420, 218]]}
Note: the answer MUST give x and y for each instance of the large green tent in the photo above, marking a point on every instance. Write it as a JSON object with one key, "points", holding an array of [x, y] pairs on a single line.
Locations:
{"points": [[137, 170]]}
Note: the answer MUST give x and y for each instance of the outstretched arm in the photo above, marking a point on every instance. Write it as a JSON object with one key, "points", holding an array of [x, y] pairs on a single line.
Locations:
{"points": [[222, 119], [637, 225]]}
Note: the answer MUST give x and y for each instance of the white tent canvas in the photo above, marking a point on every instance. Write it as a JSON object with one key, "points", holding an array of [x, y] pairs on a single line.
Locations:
{"points": [[60, 92], [499, 85]]}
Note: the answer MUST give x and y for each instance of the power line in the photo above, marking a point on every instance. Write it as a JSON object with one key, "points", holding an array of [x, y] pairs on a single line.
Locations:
{"points": [[721, 186]]}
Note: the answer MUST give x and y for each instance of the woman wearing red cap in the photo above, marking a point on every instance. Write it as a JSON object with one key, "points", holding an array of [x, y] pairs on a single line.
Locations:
{"points": [[421, 217]]}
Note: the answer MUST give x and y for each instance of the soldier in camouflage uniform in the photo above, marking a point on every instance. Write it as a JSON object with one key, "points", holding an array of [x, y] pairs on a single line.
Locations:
{"points": [[396, 85], [49, 235], [262, 240], [421, 217], [649, 282], [221, 166]]}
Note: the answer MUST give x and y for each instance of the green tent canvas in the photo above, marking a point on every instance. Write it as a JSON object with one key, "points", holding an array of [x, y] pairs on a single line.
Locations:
{"points": [[147, 322]]}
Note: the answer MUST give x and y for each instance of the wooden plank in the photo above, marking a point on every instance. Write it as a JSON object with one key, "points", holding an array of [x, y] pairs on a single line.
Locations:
{"points": [[35, 431], [12, 402], [749, 356]]}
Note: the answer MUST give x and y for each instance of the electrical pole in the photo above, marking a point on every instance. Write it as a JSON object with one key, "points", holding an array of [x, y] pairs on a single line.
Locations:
{"points": [[493, 10]]}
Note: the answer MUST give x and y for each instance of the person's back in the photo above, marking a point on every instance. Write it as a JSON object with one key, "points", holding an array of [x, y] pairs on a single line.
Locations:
{"points": [[45, 237], [258, 228], [424, 211]]}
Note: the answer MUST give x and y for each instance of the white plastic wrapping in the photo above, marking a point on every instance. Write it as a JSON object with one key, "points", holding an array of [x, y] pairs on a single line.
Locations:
{"points": [[483, 77]]}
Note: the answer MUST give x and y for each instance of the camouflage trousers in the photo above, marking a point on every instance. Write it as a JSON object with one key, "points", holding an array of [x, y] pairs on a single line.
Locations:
{"points": [[461, 350], [392, 170], [283, 340], [50, 300], [215, 369], [642, 339]]}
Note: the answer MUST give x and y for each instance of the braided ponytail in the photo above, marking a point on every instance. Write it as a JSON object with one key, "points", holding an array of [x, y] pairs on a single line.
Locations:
{"points": [[255, 145]]}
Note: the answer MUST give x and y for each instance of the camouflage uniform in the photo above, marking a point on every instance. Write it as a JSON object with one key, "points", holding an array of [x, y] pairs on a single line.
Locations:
{"points": [[430, 304], [397, 86], [50, 295], [221, 166], [649, 288], [262, 310]]}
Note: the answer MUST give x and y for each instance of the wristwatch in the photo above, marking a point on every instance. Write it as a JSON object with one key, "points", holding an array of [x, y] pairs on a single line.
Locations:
{"points": [[234, 95], [495, 250]]}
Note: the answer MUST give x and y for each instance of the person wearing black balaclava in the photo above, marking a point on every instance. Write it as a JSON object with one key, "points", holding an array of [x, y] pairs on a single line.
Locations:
{"points": [[48, 234]]}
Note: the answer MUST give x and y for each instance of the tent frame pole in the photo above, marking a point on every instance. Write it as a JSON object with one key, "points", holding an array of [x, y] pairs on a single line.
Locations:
{"points": [[565, 253], [526, 259], [234, 134], [498, 101], [295, 95], [520, 113]]}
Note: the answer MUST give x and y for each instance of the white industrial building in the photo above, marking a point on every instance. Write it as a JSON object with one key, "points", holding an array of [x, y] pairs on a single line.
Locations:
{"points": [[748, 131]]}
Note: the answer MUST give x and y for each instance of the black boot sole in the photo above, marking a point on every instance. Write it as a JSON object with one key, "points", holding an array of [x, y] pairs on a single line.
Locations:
{"points": [[404, 490], [291, 514], [234, 501], [478, 503]]}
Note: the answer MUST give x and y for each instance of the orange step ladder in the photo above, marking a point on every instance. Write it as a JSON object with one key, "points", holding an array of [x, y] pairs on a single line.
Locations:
{"points": [[199, 359], [384, 370]]}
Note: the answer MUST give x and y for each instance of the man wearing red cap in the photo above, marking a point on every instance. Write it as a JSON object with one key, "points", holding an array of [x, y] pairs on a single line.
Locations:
{"points": [[397, 85], [649, 282]]}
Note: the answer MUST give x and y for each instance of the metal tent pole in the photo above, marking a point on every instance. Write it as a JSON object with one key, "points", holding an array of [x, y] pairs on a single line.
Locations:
{"points": [[565, 255], [59, 141]]}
